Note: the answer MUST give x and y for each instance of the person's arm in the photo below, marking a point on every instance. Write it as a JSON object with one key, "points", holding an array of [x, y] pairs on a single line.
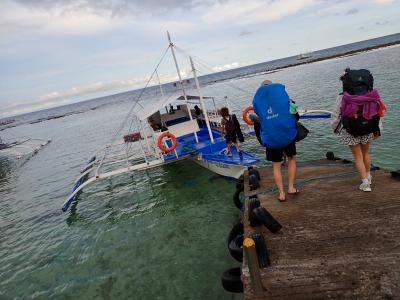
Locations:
{"points": [[336, 115]]}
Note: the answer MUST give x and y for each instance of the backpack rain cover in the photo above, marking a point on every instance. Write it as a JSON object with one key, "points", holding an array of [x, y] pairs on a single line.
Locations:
{"points": [[278, 126]]}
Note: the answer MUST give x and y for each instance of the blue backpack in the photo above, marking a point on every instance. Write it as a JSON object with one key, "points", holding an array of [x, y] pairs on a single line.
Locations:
{"points": [[278, 126]]}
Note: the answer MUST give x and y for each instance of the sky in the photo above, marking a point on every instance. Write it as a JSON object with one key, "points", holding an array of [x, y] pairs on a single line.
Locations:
{"points": [[55, 52]]}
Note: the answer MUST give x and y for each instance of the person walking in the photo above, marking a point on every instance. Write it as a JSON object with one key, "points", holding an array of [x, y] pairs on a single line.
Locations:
{"points": [[278, 131], [357, 119]]}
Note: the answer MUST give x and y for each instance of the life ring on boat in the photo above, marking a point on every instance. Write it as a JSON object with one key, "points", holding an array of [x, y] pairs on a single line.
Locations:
{"points": [[161, 144], [246, 115]]}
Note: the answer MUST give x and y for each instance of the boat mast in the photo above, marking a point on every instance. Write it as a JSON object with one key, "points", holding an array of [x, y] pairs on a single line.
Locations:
{"points": [[203, 107], [183, 89]]}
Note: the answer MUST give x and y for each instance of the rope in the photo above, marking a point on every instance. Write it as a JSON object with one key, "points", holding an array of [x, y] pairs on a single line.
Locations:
{"points": [[138, 99], [305, 181], [119, 129], [210, 68]]}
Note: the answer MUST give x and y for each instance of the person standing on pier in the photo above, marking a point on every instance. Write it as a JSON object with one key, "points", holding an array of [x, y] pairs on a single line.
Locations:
{"points": [[357, 119], [278, 131]]}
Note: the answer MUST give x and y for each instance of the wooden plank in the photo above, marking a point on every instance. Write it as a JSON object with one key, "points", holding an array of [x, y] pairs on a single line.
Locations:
{"points": [[336, 241]]}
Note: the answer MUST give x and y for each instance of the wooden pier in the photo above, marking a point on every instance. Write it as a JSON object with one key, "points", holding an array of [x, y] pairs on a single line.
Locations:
{"points": [[336, 241]]}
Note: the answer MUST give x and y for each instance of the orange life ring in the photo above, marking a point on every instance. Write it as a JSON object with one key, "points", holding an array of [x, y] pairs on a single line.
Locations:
{"points": [[245, 115], [161, 144]]}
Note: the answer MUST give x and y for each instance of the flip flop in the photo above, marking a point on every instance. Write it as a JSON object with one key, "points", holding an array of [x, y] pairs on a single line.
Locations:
{"points": [[281, 200], [295, 193]]}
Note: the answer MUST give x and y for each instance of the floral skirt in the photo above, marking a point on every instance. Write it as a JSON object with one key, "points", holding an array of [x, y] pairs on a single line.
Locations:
{"points": [[349, 140]]}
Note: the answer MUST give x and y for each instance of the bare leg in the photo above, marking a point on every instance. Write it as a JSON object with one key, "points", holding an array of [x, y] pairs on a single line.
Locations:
{"points": [[358, 157], [237, 147], [277, 167], [229, 149], [366, 158], [292, 168]]}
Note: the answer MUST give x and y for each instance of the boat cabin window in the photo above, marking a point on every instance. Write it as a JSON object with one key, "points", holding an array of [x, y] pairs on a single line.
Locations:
{"points": [[175, 119], [175, 115]]}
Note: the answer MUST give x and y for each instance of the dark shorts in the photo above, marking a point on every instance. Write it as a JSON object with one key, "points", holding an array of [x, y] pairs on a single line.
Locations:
{"points": [[231, 137], [276, 155]]}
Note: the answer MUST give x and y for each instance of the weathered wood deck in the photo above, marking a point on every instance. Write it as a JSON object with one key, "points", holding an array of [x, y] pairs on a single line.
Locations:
{"points": [[336, 241]]}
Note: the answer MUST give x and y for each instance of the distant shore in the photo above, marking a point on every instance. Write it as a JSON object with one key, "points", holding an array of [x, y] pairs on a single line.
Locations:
{"points": [[310, 61], [337, 55]]}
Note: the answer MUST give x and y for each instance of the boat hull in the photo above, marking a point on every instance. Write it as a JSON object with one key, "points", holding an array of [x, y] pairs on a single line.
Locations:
{"points": [[220, 168]]}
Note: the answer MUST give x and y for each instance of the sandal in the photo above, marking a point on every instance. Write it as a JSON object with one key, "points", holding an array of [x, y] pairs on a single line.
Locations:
{"points": [[295, 193]]}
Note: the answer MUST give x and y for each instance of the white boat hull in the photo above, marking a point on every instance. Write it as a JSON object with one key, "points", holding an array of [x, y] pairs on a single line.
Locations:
{"points": [[227, 170]]}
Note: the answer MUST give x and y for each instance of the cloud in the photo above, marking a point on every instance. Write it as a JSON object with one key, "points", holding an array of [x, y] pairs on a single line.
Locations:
{"points": [[254, 12], [383, 2], [78, 17], [246, 32], [57, 98], [82, 17], [90, 15], [351, 11], [344, 7], [117, 8], [226, 67], [15, 18], [382, 23]]}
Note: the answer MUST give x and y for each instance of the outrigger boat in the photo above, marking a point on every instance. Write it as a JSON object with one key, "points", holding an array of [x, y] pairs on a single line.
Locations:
{"points": [[22, 148], [175, 128]]}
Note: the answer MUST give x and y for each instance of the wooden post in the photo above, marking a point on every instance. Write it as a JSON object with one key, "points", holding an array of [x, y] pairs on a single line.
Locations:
{"points": [[249, 248]]}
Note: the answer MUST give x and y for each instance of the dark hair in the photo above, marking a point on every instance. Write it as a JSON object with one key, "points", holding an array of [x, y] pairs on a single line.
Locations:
{"points": [[224, 112]]}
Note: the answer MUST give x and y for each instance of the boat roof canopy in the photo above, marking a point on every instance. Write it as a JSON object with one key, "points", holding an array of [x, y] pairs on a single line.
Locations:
{"points": [[163, 102]]}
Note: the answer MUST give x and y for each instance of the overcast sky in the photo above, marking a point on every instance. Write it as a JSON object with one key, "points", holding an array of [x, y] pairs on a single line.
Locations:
{"points": [[54, 52]]}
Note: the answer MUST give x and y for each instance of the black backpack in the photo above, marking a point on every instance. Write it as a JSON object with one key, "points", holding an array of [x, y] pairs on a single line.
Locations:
{"points": [[358, 125], [359, 82], [229, 124]]}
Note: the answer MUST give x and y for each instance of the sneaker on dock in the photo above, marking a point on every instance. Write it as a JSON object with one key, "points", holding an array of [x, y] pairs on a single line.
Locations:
{"points": [[365, 187]]}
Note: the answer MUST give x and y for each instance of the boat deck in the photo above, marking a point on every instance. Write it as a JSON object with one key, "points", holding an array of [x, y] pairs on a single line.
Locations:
{"points": [[210, 151], [336, 241]]}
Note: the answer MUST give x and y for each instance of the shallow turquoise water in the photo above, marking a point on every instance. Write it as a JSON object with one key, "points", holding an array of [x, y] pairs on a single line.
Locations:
{"points": [[157, 234]]}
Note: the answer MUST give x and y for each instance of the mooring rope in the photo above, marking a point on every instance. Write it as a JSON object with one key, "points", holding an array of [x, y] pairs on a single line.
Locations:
{"points": [[300, 183]]}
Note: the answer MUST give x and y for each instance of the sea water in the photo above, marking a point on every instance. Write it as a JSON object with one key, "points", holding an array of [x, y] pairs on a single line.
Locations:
{"points": [[160, 233]]}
